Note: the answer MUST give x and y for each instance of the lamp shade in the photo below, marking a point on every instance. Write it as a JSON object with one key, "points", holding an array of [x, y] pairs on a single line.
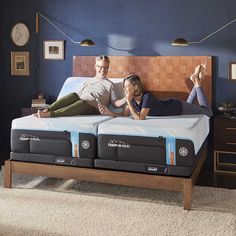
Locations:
{"points": [[180, 42], [87, 42]]}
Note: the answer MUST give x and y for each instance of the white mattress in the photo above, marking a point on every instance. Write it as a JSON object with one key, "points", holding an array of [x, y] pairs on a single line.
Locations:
{"points": [[82, 124], [191, 127]]}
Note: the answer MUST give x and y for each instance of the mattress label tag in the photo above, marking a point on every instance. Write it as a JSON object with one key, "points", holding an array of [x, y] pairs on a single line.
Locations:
{"points": [[170, 151], [74, 138]]}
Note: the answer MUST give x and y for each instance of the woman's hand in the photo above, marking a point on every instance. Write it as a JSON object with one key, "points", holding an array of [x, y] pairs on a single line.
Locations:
{"points": [[128, 97]]}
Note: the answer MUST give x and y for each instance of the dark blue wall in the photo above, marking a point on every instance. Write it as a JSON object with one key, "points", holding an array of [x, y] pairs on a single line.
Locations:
{"points": [[122, 27], [1, 81], [17, 90]]}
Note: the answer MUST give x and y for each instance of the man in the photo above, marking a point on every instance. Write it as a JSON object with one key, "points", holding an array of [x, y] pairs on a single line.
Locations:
{"points": [[98, 90]]}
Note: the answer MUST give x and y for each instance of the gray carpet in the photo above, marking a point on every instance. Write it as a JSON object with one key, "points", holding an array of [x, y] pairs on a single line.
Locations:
{"points": [[50, 206]]}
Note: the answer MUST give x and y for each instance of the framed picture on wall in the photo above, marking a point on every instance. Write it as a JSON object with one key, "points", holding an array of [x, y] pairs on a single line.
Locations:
{"points": [[54, 50], [232, 71], [20, 63]]}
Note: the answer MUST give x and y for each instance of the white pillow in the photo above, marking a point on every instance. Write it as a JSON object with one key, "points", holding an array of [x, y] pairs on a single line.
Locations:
{"points": [[118, 86], [72, 84]]}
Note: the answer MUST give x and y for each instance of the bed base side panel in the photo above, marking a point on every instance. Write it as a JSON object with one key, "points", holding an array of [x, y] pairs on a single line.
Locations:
{"points": [[143, 168], [52, 159]]}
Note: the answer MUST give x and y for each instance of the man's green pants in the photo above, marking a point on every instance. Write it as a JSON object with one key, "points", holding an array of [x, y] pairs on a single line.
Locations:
{"points": [[71, 105]]}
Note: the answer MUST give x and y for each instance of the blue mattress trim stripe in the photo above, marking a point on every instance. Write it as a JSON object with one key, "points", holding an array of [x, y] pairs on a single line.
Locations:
{"points": [[74, 137], [170, 151]]}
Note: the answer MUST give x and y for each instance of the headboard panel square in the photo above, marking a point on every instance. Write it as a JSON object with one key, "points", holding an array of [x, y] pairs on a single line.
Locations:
{"points": [[167, 76]]}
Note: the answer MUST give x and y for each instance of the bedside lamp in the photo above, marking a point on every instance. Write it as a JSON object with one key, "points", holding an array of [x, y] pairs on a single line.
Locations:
{"points": [[85, 42], [184, 42]]}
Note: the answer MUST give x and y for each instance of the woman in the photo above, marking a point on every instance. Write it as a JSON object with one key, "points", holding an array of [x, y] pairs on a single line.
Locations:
{"points": [[142, 103]]}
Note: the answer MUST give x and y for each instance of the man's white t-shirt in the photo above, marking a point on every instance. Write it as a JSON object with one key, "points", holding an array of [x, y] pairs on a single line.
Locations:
{"points": [[102, 89]]}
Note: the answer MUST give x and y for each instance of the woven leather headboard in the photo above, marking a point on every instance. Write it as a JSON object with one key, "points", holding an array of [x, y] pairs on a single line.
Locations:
{"points": [[167, 76]]}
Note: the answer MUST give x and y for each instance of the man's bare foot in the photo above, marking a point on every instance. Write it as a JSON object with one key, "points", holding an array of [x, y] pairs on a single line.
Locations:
{"points": [[43, 114]]}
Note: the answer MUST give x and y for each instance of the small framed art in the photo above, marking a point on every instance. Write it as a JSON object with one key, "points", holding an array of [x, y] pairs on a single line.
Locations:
{"points": [[54, 50], [20, 63], [232, 71], [20, 34]]}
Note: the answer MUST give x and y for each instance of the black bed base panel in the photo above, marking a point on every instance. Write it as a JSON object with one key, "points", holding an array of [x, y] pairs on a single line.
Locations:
{"points": [[152, 150], [55, 143], [144, 168], [52, 159]]}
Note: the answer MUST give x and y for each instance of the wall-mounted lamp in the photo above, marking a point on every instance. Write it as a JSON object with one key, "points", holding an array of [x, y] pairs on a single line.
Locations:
{"points": [[184, 42], [85, 42]]}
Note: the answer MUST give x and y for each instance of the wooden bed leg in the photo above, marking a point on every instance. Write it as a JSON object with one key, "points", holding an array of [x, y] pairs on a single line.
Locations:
{"points": [[7, 174], [187, 194]]}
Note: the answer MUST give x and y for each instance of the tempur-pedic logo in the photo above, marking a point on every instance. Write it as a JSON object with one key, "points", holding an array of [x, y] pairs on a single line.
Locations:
{"points": [[118, 143], [183, 151], [85, 144], [26, 137]]}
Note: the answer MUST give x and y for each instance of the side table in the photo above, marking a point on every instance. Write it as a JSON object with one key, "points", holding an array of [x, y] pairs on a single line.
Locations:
{"points": [[225, 144]]}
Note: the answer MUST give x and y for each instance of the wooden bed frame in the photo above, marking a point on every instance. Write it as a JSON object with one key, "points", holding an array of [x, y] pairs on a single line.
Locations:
{"points": [[163, 75]]}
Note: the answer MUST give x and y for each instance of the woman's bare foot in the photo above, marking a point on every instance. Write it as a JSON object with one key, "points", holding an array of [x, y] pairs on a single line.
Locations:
{"points": [[195, 73], [43, 114], [199, 74], [202, 71]]}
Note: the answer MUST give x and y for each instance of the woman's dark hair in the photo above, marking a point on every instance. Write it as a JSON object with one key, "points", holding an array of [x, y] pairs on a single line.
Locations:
{"points": [[135, 81]]}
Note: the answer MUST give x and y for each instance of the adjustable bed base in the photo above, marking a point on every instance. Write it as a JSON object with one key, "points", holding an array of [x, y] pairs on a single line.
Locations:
{"points": [[173, 183]]}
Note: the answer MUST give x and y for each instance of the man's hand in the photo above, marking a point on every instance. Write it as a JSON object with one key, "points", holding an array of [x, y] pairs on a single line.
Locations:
{"points": [[104, 110]]}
